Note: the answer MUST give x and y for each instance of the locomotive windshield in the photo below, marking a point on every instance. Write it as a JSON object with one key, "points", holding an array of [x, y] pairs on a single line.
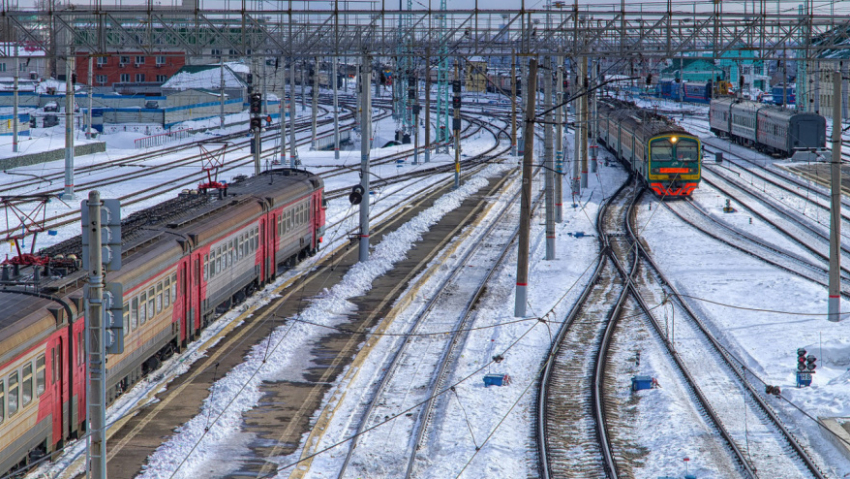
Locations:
{"points": [[661, 150], [687, 150]]}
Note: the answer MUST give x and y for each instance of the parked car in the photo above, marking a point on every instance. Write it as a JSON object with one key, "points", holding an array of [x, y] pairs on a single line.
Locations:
{"points": [[50, 120], [152, 104], [51, 106]]}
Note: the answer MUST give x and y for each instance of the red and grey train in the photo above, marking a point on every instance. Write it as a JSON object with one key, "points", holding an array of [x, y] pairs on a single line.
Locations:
{"points": [[182, 260]]}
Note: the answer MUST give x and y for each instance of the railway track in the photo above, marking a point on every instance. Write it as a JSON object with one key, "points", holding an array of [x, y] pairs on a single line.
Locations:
{"points": [[192, 179], [722, 379], [228, 353], [588, 437]]}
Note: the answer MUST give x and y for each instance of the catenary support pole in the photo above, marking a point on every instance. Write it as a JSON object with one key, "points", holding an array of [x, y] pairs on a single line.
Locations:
{"points": [[584, 122], [427, 104], [594, 132], [336, 109], [513, 102], [282, 110], [293, 150], [548, 161], [456, 124], [221, 96], [303, 86], [365, 132], [91, 99], [835, 208], [69, 129], [15, 102], [314, 143], [559, 143], [97, 352], [576, 181], [525, 195]]}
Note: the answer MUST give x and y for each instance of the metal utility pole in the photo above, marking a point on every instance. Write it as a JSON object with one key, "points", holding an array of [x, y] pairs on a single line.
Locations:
{"points": [[282, 110], [835, 208], [293, 151], [525, 195], [414, 106], [559, 144], [576, 181], [427, 104], [456, 122], [314, 142], [594, 133], [97, 351], [549, 161], [513, 102], [365, 131], [69, 129], [584, 122], [303, 87], [221, 92], [15, 105], [336, 109], [91, 94]]}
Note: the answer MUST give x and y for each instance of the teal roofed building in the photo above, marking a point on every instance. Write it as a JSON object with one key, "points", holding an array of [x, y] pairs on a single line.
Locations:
{"points": [[694, 70]]}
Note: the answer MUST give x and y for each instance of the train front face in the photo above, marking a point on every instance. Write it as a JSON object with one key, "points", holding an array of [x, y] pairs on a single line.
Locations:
{"points": [[674, 164]]}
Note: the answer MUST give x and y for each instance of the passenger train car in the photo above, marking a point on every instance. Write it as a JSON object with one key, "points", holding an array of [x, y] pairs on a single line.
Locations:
{"points": [[182, 260], [687, 91], [662, 154], [767, 128]]}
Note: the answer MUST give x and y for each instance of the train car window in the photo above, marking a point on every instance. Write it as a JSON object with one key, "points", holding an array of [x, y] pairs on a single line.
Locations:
{"points": [[134, 314], [143, 308], [126, 319], [13, 393], [55, 365], [40, 376], [81, 352], [256, 239], [151, 303], [217, 260], [26, 385], [2, 401], [206, 267], [174, 287], [159, 298], [232, 252], [687, 150], [167, 297]]}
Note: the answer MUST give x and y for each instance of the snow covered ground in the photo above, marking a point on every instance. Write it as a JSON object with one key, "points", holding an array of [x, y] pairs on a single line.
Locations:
{"points": [[761, 314]]}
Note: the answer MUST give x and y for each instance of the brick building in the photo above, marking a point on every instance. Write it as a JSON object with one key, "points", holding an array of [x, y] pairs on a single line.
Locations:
{"points": [[129, 68]]}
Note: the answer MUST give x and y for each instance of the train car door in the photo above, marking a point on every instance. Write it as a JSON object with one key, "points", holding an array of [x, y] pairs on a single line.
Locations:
{"points": [[196, 293]]}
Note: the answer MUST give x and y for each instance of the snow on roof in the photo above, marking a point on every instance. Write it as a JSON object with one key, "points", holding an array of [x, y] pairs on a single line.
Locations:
{"points": [[8, 48], [238, 67], [51, 83], [203, 76]]}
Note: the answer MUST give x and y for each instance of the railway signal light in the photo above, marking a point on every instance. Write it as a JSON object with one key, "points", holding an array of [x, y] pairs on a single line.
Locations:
{"points": [[256, 103], [810, 363], [256, 123], [456, 102], [456, 86], [249, 79], [356, 195], [110, 234], [113, 318]]}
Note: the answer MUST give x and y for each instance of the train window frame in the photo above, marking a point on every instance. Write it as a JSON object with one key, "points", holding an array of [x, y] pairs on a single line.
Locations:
{"points": [[166, 298], [173, 288], [143, 308], [13, 394], [40, 375], [134, 313], [159, 297], [152, 301], [218, 260], [231, 251], [206, 267], [26, 384], [81, 350], [126, 315], [2, 400]]}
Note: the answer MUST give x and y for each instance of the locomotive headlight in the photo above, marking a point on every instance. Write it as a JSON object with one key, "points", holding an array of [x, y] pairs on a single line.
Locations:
{"points": [[673, 139]]}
